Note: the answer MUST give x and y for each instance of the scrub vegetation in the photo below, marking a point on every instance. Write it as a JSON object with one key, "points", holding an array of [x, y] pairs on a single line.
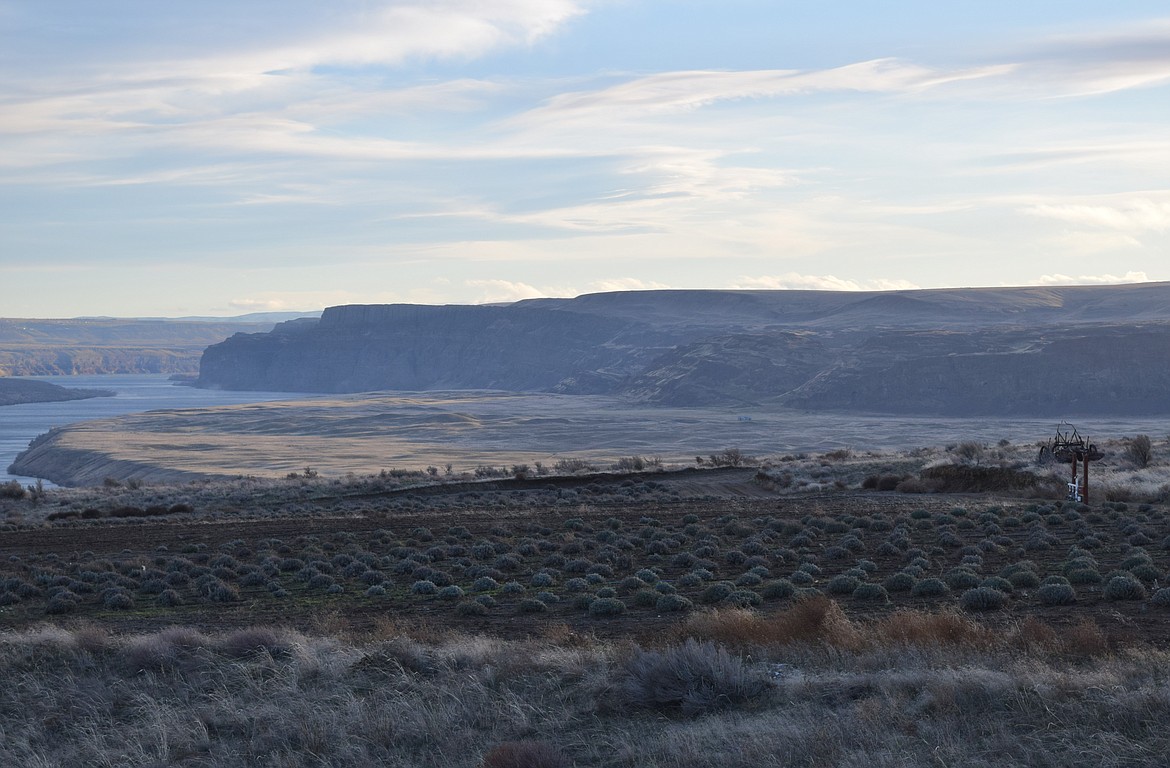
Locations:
{"points": [[806, 686], [775, 612]]}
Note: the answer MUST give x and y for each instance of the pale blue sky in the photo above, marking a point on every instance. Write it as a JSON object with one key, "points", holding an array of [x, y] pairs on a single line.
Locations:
{"points": [[225, 157]]}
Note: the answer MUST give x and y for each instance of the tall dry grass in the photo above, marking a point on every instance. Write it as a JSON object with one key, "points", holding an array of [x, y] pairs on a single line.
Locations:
{"points": [[926, 689]]}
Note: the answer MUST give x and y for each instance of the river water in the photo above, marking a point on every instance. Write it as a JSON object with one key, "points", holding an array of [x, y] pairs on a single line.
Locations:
{"points": [[19, 424], [783, 431]]}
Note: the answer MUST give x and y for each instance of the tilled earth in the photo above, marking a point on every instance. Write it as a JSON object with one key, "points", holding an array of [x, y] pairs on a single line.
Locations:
{"points": [[523, 558]]}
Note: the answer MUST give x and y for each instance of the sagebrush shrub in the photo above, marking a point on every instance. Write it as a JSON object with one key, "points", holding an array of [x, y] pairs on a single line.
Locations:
{"points": [[1124, 588], [451, 592], [871, 593], [1137, 558], [672, 603], [606, 606], [12, 490], [471, 608], [1085, 576], [631, 584], [1146, 572], [485, 584], [692, 679], [744, 598], [1056, 594], [716, 593], [899, 582], [1139, 451], [220, 592], [575, 585], [777, 589], [253, 641], [748, 579], [961, 579], [842, 584], [647, 576], [930, 587], [423, 587], [983, 599], [998, 582], [1023, 579], [117, 600]]}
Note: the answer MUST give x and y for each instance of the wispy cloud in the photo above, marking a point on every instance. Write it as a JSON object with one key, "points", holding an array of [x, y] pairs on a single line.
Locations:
{"points": [[498, 291], [1132, 213], [259, 305], [674, 92], [627, 284], [1109, 60], [1059, 279], [797, 281]]}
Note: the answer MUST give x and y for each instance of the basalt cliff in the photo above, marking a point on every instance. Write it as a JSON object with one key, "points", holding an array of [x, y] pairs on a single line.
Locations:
{"points": [[1051, 351]]}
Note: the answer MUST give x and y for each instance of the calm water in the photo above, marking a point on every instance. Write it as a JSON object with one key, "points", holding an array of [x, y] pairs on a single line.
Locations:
{"points": [[782, 431], [21, 423]]}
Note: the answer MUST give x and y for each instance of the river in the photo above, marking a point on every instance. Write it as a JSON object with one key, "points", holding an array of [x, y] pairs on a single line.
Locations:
{"points": [[19, 424]]}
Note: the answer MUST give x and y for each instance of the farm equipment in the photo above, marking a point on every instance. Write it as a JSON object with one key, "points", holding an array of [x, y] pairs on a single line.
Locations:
{"points": [[1068, 447]]}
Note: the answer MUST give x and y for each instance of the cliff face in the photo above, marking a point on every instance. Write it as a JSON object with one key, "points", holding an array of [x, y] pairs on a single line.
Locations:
{"points": [[407, 347], [1029, 351], [1118, 370]]}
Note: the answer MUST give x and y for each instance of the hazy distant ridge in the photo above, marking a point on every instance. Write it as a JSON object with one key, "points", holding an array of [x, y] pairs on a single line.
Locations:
{"points": [[87, 346], [1026, 351]]}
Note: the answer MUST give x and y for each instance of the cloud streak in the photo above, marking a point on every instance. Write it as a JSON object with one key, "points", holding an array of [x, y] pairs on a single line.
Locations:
{"points": [[1059, 279], [797, 281], [1133, 213]]}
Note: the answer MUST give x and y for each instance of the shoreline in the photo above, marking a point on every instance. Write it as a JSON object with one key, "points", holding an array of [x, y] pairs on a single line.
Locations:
{"points": [[18, 391]]}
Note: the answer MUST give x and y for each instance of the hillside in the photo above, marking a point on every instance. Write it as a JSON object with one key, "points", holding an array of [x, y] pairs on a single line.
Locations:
{"points": [[85, 346], [1082, 350], [18, 391]]}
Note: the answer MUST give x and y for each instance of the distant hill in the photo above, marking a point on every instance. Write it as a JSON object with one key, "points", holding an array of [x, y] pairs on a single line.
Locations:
{"points": [[115, 345], [19, 391], [1004, 351]]}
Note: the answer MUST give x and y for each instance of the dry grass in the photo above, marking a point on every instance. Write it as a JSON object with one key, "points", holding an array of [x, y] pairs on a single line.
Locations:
{"points": [[279, 698], [525, 754], [818, 621]]}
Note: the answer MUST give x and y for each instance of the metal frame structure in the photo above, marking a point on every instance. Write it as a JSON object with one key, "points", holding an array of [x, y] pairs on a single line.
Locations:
{"points": [[1068, 447]]}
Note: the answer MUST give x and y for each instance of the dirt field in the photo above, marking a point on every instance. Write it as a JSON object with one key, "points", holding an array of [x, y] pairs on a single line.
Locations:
{"points": [[610, 555]]}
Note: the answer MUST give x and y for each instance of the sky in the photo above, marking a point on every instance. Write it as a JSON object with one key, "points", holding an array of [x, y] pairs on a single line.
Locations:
{"points": [[219, 158]]}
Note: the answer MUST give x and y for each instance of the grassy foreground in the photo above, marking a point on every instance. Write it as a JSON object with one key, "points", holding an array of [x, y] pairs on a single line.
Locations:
{"points": [[805, 687], [800, 613]]}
